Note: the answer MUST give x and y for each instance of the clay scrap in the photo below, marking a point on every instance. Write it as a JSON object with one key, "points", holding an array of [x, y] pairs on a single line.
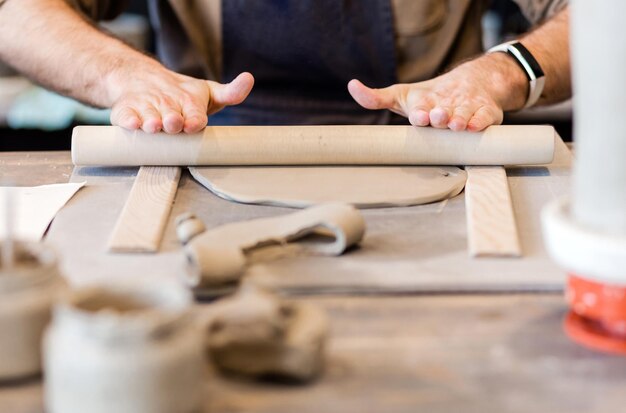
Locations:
{"points": [[257, 335], [218, 257]]}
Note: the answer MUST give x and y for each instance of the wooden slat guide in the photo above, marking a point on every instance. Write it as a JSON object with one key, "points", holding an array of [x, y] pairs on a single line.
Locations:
{"points": [[140, 226], [491, 227]]}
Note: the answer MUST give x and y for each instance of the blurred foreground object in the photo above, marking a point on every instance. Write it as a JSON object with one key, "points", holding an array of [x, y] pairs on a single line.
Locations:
{"points": [[587, 234]]}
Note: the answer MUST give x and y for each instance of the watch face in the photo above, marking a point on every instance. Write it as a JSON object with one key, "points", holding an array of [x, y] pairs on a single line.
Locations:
{"points": [[529, 58]]}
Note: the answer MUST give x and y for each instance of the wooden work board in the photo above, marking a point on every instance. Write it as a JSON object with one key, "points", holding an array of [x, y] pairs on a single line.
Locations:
{"points": [[414, 249]]}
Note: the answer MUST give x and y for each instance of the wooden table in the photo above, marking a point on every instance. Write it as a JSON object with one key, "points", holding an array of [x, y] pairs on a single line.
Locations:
{"points": [[431, 353]]}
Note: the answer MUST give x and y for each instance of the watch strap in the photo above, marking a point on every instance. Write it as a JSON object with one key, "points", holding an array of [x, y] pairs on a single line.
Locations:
{"points": [[530, 66]]}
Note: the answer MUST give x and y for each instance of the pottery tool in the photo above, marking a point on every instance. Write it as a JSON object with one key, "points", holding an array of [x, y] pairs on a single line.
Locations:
{"points": [[313, 145], [587, 234]]}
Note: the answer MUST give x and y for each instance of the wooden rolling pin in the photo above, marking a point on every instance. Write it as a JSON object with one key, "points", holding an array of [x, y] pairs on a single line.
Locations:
{"points": [[314, 145]]}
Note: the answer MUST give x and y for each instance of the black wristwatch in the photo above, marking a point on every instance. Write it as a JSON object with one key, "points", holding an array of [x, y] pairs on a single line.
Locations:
{"points": [[530, 66]]}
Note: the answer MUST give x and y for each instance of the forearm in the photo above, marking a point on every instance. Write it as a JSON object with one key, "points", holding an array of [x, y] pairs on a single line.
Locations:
{"points": [[52, 44]]}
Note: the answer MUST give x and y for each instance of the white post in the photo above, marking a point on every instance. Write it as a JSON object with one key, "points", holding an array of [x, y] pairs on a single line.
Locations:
{"points": [[599, 70], [587, 235]]}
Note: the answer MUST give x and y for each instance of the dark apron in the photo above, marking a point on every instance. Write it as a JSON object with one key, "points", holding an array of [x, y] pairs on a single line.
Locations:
{"points": [[302, 54]]}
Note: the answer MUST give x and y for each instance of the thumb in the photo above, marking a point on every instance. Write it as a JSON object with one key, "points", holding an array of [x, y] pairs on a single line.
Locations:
{"points": [[231, 93], [386, 98]]}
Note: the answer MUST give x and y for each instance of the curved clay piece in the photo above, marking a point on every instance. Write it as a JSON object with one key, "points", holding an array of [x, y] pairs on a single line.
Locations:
{"points": [[216, 256], [188, 226], [213, 265], [361, 186], [255, 334]]}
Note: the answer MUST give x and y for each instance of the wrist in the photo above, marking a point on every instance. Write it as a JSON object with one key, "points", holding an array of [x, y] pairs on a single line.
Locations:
{"points": [[508, 84]]}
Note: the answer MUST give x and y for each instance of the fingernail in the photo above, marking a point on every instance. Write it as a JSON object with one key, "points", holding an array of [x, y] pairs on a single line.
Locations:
{"points": [[456, 125], [438, 115], [422, 118]]}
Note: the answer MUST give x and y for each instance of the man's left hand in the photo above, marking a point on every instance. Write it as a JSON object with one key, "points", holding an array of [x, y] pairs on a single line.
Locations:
{"points": [[470, 97]]}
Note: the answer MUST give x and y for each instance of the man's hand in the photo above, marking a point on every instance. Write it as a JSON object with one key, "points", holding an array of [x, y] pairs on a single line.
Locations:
{"points": [[475, 94], [52, 44], [163, 100], [472, 96]]}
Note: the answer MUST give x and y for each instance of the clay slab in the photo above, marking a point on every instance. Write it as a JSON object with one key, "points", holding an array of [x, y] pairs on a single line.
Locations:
{"points": [[361, 186]]}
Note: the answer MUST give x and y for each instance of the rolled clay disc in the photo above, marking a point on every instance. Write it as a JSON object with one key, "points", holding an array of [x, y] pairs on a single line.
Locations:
{"points": [[361, 186]]}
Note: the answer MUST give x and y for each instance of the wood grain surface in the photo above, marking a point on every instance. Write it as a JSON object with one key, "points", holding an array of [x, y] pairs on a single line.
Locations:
{"points": [[140, 226], [491, 227], [441, 354]]}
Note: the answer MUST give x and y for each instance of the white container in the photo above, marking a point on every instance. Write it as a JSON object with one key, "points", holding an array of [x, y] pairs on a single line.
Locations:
{"points": [[587, 234], [27, 292], [598, 67], [124, 350]]}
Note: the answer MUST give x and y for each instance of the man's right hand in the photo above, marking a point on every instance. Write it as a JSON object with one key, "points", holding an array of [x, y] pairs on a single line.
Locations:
{"points": [[158, 99]]}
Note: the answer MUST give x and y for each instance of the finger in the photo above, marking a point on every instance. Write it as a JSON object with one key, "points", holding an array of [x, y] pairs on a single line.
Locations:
{"points": [[171, 114], [173, 121], [485, 116], [439, 116], [231, 93], [419, 116], [195, 119], [151, 117], [420, 109], [392, 97], [126, 117], [460, 117]]}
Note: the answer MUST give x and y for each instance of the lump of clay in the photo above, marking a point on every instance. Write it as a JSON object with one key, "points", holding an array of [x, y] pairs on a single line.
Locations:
{"points": [[257, 335]]}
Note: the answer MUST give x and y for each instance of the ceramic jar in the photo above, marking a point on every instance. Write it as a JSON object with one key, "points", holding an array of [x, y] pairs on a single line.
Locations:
{"points": [[125, 350], [28, 289]]}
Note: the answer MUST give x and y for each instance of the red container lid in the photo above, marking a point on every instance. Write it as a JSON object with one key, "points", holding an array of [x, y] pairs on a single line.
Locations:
{"points": [[598, 316]]}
